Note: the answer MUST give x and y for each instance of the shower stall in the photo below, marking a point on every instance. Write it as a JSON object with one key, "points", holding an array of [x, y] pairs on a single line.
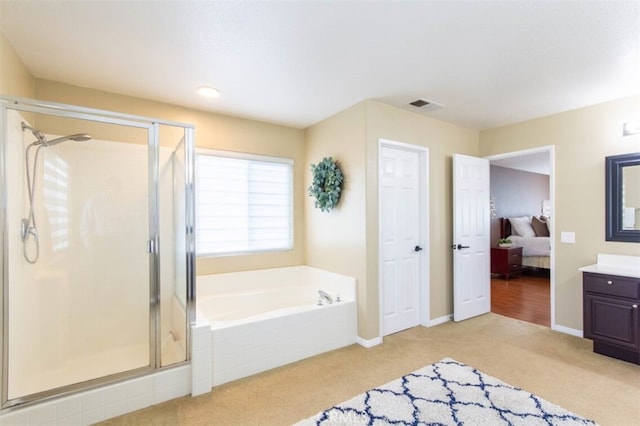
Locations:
{"points": [[97, 247]]}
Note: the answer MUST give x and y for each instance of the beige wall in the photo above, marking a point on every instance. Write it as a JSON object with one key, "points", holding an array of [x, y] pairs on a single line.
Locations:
{"points": [[214, 131], [336, 240], [346, 240], [15, 79], [443, 140], [582, 139]]}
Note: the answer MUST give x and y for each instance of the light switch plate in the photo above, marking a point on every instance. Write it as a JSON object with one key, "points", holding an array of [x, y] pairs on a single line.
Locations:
{"points": [[568, 237]]}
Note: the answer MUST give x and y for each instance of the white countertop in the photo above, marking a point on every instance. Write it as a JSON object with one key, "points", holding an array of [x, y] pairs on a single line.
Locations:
{"points": [[611, 264], [612, 270]]}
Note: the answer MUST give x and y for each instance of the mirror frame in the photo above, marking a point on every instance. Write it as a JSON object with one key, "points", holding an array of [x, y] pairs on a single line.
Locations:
{"points": [[614, 165]]}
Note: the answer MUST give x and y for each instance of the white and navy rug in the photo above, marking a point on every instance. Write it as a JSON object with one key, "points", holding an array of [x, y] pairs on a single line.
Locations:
{"points": [[446, 393]]}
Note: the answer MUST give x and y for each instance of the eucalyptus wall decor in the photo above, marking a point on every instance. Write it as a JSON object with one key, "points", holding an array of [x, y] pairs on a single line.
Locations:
{"points": [[327, 184]]}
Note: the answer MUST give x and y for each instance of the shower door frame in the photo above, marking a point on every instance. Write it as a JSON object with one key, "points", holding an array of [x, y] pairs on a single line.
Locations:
{"points": [[153, 244]]}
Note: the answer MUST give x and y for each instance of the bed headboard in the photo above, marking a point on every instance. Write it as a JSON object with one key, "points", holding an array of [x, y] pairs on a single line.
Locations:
{"points": [[505, 227]]}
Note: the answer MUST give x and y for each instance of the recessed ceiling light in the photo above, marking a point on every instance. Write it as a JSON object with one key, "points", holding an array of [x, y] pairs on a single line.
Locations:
{"points": [[208, 92]]}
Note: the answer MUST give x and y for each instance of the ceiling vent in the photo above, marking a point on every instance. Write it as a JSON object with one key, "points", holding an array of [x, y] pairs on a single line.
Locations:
{"points": [[410, 103], [423, 105], [419, 103]]}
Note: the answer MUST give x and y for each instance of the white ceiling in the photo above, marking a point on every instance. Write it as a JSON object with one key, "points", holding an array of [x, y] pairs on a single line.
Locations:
{"points": [[298, 62]]}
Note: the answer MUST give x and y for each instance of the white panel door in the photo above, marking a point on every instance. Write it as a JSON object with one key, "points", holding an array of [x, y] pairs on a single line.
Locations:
{"points": [[401, 249], [471, 237]]}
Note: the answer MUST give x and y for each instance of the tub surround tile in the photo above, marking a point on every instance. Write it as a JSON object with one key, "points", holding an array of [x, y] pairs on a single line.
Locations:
{"points": [[68, 407], [93, 416], [115, 409], [15, 418], [167, 394], [258, 348], [43, 415], [114, 394], [100, 404], [139, 402], [201, 355], [139, 387], [171, 378], [92, 400], [75, 420]]}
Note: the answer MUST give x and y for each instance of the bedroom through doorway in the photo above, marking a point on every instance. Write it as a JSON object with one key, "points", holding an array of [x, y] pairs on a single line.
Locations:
{"points": [[522, 278]]}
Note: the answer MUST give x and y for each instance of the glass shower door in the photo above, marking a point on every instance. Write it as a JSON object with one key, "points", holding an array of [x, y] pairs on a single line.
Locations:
{"points": [[172, 318], [79, 285]]}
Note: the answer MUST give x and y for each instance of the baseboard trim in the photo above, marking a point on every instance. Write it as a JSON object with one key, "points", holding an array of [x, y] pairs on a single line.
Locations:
{"points": [[440, 320], [567, 330], [368, 343]]}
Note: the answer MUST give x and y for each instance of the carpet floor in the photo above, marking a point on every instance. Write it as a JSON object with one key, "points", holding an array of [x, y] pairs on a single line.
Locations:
{"points": [[557, 367]]}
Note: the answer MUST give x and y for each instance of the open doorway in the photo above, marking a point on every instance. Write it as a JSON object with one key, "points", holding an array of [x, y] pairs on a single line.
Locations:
{"points": [[522, 278]]}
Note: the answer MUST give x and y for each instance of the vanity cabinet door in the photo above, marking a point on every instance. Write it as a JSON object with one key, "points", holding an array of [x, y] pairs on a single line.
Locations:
{"points": [[612, 320]]}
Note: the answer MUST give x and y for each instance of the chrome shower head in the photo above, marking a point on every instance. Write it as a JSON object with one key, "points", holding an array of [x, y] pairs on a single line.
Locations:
{"points": [[78, 137], [37, 133], [42, 140]]}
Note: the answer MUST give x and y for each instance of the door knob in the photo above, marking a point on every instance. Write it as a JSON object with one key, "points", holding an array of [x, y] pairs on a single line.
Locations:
{"points": [[417, 248], [460, 246]]}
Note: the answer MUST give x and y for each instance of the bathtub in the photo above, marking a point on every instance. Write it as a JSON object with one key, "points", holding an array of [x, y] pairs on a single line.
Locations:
{"points": [[268, 318]]}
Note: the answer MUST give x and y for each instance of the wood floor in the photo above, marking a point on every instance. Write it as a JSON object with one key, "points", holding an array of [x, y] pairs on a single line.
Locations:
{"points": [[526, 298]]}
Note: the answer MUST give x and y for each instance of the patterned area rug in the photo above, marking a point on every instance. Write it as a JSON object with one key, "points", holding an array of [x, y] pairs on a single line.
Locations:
{"points": [[446, 393]]}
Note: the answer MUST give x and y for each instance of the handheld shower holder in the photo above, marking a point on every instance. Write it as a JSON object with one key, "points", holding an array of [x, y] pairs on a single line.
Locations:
{"points": [[24, 229]]}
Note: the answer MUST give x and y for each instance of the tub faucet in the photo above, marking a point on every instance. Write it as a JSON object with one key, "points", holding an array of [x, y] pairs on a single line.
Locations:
{"points": [[325, 296]]}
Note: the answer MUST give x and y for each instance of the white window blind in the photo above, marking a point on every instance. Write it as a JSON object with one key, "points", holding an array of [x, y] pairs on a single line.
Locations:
{"points": [[243, 203]]}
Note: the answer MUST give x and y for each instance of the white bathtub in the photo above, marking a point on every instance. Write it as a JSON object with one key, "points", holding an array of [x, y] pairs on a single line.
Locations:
{"points": [[267, 318]]}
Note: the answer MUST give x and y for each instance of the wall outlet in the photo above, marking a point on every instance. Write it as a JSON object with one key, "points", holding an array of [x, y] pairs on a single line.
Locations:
{"points": [[568, 237]]}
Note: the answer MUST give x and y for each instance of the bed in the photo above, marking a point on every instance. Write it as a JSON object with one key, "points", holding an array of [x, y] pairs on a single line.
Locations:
{"points": [[528, 233]]}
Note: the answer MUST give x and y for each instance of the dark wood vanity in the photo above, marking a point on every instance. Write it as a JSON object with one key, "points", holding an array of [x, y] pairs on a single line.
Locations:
{"points": [[611, 309]]}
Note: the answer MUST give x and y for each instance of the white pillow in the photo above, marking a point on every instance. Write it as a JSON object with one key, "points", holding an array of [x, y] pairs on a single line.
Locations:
{"points": [[522, 226]]}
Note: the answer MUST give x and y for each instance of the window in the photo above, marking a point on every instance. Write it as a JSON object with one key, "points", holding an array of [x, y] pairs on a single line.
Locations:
{"points": [[244, 203]]}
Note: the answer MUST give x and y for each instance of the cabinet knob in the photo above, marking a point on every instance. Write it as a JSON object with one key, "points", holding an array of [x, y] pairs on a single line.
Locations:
{"points": [[634, 306], [609, 282]]}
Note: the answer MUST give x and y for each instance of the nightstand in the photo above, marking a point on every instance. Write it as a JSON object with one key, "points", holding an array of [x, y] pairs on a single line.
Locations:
{"points": [[506, 261]]}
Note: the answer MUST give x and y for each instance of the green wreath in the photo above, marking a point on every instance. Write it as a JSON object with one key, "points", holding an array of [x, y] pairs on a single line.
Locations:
{"points": [[327, 184]]}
